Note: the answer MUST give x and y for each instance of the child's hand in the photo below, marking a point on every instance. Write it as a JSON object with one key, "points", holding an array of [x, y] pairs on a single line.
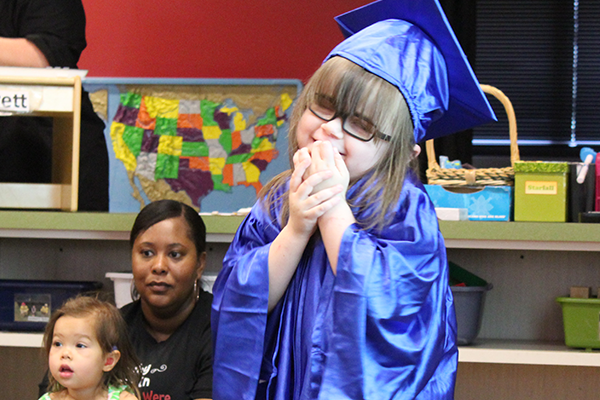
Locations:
{"points": [[333, 222], [306, 203], [326, 157]]}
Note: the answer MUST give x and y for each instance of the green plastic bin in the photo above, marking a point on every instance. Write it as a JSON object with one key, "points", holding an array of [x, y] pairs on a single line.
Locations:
{"points": [[581, 319]]}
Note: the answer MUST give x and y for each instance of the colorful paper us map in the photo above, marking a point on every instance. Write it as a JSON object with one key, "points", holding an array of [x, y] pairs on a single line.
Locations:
{"points": [[190, 149]]}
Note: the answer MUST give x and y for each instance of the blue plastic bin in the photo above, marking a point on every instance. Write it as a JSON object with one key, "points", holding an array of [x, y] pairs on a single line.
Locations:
{"points": [[26, 305]]}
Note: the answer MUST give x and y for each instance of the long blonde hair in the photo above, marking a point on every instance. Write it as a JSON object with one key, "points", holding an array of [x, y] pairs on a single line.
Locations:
{"points": [[357, 91]]}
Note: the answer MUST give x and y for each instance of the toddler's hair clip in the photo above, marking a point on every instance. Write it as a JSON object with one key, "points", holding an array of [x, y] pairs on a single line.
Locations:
{"points": [[115, 348]]}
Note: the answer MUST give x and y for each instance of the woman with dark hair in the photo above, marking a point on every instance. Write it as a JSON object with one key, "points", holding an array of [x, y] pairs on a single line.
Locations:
{"points": [[165, 209], [169, 323]]}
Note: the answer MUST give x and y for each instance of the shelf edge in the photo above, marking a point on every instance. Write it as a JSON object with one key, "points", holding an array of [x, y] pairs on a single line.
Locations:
{"points": [[527, 353], [20, 339]]}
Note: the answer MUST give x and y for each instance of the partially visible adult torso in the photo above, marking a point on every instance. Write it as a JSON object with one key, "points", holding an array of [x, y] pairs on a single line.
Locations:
{"points": [[57, 29], [181, 366]]}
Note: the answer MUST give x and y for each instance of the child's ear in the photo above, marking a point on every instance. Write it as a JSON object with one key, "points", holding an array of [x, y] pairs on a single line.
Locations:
{"points": [[416, 151], [110, 360]]}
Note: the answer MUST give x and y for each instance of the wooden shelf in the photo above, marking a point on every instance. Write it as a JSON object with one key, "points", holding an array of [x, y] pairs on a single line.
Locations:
{"points": [[95, 226], [457, 234], [20, 339], [558, 236], [482, 351], [58, 97], [527, 353]]}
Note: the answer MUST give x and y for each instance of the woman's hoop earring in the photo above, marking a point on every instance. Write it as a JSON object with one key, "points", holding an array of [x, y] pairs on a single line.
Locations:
{"points": [[135, 295]]}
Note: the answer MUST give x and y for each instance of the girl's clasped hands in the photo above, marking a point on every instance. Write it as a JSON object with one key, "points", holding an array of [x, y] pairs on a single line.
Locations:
{"points": [[318, 185]]}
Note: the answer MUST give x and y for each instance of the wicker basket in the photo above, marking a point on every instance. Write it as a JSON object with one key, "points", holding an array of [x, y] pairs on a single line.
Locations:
{"points": [[478, 176]]}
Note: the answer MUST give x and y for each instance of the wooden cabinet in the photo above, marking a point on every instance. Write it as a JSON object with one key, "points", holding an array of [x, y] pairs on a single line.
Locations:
{"points": [[519, 353], [47, 95]]}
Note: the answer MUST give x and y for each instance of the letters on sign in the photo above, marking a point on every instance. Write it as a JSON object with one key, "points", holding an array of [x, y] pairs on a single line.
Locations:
{"points": [[14, 101], [541, 187]]}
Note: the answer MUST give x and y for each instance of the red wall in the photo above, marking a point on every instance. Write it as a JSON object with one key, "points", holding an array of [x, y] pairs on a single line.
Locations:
{"points": [[210, 39]]}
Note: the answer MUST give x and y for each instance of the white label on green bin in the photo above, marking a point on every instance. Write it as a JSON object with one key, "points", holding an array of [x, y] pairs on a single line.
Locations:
{"points": [[543, 187], [33, 307]]}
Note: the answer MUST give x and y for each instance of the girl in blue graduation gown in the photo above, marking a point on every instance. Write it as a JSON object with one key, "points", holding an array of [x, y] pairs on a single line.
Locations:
{"points": [[336, 283]]}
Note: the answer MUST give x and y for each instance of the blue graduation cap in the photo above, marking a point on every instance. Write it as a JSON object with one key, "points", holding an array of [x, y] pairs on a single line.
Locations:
{"points": [[410, 44]]}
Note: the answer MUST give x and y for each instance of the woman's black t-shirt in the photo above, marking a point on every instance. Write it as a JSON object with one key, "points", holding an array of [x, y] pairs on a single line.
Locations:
{"points": [[181, 366]]}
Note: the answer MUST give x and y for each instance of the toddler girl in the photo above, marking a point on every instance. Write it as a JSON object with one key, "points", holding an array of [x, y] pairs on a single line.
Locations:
{"points": [[89, 354]]}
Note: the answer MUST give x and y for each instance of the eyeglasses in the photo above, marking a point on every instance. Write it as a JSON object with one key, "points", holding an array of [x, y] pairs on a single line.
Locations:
{"points": [[355, 126]]}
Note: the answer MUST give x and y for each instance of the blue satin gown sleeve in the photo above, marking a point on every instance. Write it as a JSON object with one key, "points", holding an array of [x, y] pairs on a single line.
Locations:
{"points": [[393, 332], [240, 303]]}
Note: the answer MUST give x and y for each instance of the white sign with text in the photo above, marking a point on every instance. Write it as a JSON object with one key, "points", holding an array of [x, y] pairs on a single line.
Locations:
{"points": [[15, 101]]}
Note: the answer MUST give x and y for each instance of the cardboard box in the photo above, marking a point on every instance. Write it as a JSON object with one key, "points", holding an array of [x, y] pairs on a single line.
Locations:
{"points": [[541, 191], [487, 203], [580, 292]]}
